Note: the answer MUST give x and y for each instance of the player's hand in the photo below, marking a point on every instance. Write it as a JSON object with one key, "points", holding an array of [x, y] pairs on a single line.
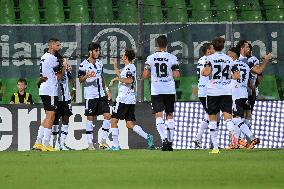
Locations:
{"points": [[113, 80], [268, 56], [69, 67], [109, 96]]}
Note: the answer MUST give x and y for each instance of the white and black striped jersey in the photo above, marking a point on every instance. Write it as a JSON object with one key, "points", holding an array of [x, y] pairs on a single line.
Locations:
{"points": [[93, 86], [239, 87], [252, 61], [127, 92], [161, 65], [63, 88], [220, 77], [49, 66], [202, 80]]}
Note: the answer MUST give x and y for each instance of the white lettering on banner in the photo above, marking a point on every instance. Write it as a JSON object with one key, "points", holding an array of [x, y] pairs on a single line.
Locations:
{"points": [[5, 50], [5, 125], [25, 117], [111, 45], [71, 141], [183, 50], [116, 46], [25, 53]]}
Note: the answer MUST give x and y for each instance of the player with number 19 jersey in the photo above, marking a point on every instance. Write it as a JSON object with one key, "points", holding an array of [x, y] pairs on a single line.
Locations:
{"points": [[161, 65], [220, 78]]}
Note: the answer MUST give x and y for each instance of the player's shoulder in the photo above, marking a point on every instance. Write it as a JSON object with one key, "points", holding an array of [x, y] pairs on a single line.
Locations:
{"points": [[48, 56], [253, 59], [84, 63], [202, 60]]}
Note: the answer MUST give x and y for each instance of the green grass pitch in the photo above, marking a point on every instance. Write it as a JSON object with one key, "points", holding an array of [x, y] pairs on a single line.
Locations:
{"points": [[258, 168]]}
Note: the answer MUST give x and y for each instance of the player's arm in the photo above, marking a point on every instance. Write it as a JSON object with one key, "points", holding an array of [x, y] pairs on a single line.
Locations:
{"points": [[206, 71], [116, 70], [259, 78], [146, 72], [235, 73], [83, 75], [252, 87], [258, 69], [175, 69], [60, 69], [107, 91], [127, 80]]}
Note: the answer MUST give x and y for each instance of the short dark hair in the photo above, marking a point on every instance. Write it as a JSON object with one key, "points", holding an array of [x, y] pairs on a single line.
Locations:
{"points": [[52, 40], [235, 50], [162, 41], [22, 80], [130, 54], [218, 43], [250, 47], [94, 46], [241, 44], [205, 47]]}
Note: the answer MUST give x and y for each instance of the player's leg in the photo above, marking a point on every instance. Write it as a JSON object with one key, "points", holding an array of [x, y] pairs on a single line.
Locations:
{"points": [[157, 109], [213, 109], [119, 113], [105, 110], [226, 108], [90, 108], [169, 102], [65, 124], [130, 124], [51, 108], [203, 124], [55, 132]]}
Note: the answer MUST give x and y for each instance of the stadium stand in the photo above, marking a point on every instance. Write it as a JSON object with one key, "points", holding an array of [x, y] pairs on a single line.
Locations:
{"points": [[7, 15], [226, 10], [274, 10], [54, 11], [250, 10], [29, 12], [103, 12], [79, 12], [177, 11], [152, 11], [201, 11], [127, 10]]}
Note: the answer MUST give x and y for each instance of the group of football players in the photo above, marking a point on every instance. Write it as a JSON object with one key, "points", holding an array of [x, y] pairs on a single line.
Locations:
{"points": [[227, 84]]}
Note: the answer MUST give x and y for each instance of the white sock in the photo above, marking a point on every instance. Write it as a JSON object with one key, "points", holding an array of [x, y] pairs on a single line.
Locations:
{"points": [[213, 133], [202, 128], [46, 137], [171, 129], [89, 131], [105, 130], [40, 134], [247, 122], [64, 133], [236, 129], [115, 133], [245, 129], [160, 124], [137, 129]]}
